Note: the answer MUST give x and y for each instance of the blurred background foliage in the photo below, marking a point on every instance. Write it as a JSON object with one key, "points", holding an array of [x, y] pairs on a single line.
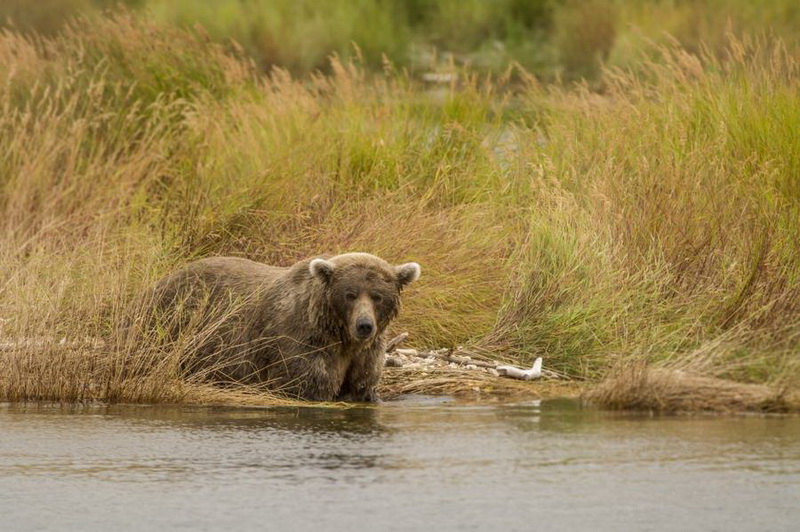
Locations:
{"points": [[553, 39]]}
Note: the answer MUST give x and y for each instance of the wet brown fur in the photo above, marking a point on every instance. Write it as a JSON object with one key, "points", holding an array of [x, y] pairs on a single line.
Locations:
{"points": [[286, 327]]}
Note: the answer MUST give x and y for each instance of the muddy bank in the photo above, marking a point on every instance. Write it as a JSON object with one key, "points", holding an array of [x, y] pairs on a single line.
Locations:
{"points": [[470, 385], [468, 375], [634, 386]]}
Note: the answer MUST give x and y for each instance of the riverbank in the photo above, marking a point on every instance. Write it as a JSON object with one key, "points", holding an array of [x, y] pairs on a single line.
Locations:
{"points": [[467, 375], [34, 370], [629, 386], [29, 373], [632, 386]]}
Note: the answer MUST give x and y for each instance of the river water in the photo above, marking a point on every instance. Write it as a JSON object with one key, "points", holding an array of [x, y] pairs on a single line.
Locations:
{"points": [[417, 464]]}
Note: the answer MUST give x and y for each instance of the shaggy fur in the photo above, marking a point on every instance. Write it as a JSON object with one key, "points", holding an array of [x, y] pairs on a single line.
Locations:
{"points": [[315, 330]]}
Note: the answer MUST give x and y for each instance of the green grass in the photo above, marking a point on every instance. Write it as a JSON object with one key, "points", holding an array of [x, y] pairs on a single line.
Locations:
{"points": [[655, 220]]}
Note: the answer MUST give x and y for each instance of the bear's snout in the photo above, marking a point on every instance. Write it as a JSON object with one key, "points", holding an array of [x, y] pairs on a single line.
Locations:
{"points": [[364, 327], [362, 319]]}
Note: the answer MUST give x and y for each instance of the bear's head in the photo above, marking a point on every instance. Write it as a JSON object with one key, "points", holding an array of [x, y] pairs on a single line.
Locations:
{"points": [[363, 291]]}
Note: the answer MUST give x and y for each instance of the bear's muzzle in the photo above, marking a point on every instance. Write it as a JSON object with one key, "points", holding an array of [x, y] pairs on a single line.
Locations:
{"points": [[362, 324], [364, 328]]}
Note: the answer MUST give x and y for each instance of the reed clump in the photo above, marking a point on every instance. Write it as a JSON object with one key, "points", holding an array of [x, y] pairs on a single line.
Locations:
{"points": [[636, 386], [654, 221]]}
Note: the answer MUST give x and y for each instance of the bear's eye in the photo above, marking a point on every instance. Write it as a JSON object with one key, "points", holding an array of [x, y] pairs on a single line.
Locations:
{"points": [[377, 298], [350, 296]]}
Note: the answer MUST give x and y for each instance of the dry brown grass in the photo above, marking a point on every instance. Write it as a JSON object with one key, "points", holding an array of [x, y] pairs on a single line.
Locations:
{"points": [[53, 372], [637, 386]]}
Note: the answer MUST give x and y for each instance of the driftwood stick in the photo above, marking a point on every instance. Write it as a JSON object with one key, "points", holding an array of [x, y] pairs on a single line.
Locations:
{"points": [[43, 343], [392, 344], [449, 357]]}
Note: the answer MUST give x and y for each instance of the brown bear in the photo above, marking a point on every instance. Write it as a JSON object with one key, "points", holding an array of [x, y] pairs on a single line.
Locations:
{"points": [[315, 330]]}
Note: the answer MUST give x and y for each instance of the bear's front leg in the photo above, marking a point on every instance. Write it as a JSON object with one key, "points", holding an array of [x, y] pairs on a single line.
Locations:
{"points": [[360, 383], [316, 377]]}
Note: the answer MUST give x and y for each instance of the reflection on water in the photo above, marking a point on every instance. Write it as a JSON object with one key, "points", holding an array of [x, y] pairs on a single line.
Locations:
{"points": [[420, 463]]}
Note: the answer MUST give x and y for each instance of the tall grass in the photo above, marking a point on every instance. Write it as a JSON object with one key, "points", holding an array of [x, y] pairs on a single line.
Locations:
{"points": [[677, 212], [657, 221]]}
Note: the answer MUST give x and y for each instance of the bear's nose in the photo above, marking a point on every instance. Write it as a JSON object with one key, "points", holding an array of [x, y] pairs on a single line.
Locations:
{"points": [[364, 327]]}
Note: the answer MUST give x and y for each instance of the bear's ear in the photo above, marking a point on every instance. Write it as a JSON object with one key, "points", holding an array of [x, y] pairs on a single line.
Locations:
{"points": [[407, 273], [321, 268]]}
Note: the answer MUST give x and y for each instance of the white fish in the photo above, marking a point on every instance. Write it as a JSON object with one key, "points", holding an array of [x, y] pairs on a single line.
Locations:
{"points": [[523, 374]]}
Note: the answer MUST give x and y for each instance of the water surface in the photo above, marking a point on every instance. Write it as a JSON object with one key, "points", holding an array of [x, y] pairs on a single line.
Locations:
{"points": [[417, 464]]}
